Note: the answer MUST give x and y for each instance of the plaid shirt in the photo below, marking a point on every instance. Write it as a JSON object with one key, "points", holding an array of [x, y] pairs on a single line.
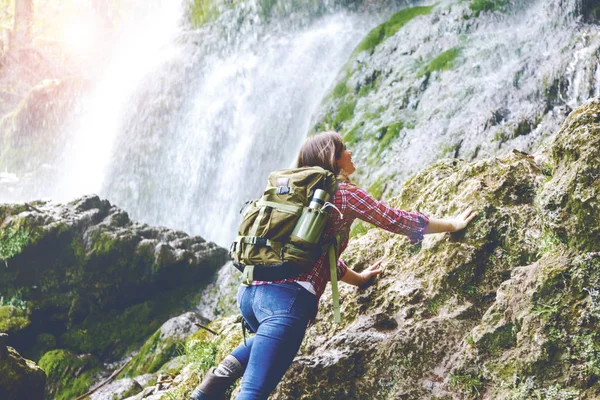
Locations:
{"points": [[353, 203]]}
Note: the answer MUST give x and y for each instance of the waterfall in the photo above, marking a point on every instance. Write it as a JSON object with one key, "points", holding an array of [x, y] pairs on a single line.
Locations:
{"points": [[183, 125], [206, 130]]}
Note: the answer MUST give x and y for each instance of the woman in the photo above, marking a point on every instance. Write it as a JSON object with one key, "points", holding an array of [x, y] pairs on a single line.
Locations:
{"points": [[279, 312]]}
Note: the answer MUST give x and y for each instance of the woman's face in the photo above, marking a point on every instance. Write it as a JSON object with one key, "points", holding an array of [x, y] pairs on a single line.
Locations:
{"points": [[344, 162]]}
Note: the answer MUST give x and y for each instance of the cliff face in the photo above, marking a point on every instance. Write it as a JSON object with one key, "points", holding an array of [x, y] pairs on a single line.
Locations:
{"points": [[506, 309], [463, 79]]}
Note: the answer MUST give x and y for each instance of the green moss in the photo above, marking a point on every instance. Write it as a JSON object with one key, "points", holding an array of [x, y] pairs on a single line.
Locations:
{"points": [[392, 133], [201, 354], [13, 319], [359, 228], [351, 137], [345, 113], [68, 375], [149, 359], [202, 12], [502, 338], [340, 90], [442, 62], [266, 8], [369, 86], [390, 27], [44, 342], [479, 6], [549, 243], [13, 241], [468, 383], [118, 330], [388, 134]]}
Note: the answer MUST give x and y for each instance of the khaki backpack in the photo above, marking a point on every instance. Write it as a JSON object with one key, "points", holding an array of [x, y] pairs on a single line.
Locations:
{"points": [[265, 248]]}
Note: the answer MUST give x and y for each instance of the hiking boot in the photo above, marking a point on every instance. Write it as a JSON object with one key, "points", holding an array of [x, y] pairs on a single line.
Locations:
{"points": [[218, 380]]}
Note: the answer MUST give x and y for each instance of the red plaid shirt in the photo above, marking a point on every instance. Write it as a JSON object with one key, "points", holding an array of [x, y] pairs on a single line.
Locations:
{"points": [[353, 203]]}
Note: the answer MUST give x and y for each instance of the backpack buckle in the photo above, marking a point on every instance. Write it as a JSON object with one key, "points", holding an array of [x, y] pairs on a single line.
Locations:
{"points": [[258, 241], [283, 190]]}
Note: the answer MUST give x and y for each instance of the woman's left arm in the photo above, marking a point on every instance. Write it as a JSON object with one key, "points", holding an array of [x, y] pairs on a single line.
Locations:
{"points": [[359, 279]]}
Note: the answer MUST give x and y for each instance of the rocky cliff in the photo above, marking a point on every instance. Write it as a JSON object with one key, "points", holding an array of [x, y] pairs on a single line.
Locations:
{"points": [[507, 309], [81, 284]]}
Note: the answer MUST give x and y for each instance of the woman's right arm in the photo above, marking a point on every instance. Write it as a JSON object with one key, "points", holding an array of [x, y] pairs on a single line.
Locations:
{"points": [[362, 205]]}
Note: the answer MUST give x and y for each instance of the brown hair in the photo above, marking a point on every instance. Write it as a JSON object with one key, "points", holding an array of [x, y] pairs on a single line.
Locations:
{"points": [[322, 150]]}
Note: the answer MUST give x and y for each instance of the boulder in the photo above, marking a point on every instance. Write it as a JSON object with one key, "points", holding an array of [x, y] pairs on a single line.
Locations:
{"points": [[19, 378], [117, 390], [69, 374], [85, 273], [570, 201], [166, 344]]}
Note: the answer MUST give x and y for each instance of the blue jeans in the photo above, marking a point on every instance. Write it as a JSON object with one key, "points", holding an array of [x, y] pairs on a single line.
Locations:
{"points": [[279, 314]]}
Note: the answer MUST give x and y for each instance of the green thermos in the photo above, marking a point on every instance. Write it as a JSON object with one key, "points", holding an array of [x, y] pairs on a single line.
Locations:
{"points": [[312, 221]]}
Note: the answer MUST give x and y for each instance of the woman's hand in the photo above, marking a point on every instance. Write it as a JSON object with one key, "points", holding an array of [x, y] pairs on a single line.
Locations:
{"points": [[368, 274], [364, 277], [459, 223]]}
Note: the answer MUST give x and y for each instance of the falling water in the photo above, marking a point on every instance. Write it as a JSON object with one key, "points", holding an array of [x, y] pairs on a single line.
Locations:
{"points": [[184, 124], [208, 129]]}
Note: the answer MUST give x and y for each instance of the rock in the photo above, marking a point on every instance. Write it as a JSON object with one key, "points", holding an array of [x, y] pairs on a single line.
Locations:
{"points": [[164, 345], [146, 380], [19, 378], [417, 70], [69, 375], [571, 199], [87, 266], [506, 309], [117, 390]]}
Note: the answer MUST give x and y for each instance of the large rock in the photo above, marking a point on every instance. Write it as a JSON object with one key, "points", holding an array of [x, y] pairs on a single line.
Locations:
{"points": [[571, 199], [165, 344], [507, 309], [69, 375], [93, 279], [19, 378]]}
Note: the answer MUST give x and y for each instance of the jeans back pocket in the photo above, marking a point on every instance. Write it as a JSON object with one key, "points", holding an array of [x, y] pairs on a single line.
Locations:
{"points": [[277, 298]]}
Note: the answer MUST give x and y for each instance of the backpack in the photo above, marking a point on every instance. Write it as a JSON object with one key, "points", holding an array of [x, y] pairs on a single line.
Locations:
{"points": [[267, 248]]}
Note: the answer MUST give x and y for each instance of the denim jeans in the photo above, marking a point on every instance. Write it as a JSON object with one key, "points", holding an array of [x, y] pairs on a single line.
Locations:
{"points": [[279, 314]]}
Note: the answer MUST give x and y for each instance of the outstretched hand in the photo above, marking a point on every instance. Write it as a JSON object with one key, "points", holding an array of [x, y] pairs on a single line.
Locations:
{"points": [[368, 274], [459, 223]]}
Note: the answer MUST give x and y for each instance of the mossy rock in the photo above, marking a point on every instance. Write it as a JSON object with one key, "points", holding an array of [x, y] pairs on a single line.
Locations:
{"points": [[97, 278], [390, 27], [13, 319], [19, 378], [570, 200], [69, 375]]}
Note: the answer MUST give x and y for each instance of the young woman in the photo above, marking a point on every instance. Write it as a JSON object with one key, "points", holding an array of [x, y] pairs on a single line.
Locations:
{"points": [[279, 312]]}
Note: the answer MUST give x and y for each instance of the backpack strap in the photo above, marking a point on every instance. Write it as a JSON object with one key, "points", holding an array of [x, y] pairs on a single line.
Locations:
{"points": [[337, 318], [282, 207], [248, 275], [279, 190]]}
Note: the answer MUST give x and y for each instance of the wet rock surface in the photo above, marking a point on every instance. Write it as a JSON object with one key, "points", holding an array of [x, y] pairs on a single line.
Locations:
{"points": [[19, 378], [460, 79]]}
